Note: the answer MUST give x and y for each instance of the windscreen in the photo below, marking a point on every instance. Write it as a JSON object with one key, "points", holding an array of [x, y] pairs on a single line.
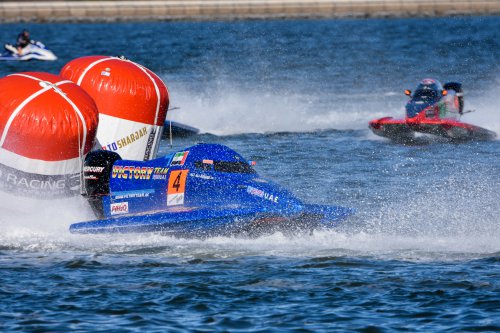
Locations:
{"points": [[226, 166], [425, 93]]}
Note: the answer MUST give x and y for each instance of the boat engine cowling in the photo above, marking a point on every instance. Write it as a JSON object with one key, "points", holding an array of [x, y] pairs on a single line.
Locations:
{"points": [[96, 173]]}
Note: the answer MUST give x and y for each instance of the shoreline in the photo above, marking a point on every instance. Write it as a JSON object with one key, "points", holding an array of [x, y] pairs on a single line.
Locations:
{"points": [[206, 10]]}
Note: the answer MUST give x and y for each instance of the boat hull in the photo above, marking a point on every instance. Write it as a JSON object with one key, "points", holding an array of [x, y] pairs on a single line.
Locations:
{"points": [[222, 221], [450, 129]]}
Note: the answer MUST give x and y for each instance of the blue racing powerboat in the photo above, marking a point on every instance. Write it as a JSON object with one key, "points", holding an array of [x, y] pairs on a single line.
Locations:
{"points": [[203, 190]]}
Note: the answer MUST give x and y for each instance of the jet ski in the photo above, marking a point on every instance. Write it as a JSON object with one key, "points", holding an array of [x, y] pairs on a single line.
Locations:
{"points": [[35, 50], [203, 190], [433, 109]]}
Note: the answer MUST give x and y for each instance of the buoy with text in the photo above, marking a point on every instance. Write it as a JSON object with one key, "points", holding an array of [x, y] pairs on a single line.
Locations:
{"points": [[132, 103], [47, 126]]}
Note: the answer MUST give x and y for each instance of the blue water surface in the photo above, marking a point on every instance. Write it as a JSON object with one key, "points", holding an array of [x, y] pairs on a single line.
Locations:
{"points": [[421, 254]]}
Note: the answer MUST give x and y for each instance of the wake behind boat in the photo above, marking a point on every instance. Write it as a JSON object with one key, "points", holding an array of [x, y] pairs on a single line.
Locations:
{"points": [[33, 51], [435, 110]]}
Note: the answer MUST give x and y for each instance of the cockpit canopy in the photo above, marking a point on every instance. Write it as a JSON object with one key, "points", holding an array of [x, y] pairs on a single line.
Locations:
{"points": [[218, 158]]}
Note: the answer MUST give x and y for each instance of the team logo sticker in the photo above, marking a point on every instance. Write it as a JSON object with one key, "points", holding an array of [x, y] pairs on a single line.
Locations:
{"points": [[132, 172], [176, 187], [160, 173]]}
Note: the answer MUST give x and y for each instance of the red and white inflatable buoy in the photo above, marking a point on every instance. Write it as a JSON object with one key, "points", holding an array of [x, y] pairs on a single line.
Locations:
{"points": [[131, 99], [47, 126]]}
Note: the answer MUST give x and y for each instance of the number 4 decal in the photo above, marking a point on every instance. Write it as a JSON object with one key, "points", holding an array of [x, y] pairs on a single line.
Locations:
{"points": [[177, 182], [176, 187]]}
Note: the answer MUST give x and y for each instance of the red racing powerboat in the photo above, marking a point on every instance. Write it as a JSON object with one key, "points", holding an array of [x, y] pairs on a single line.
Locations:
{"points": [[432, 109]]}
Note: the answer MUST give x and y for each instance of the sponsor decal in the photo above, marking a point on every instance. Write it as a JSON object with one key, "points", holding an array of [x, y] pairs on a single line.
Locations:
{"points": [[119, 208], [129, 139], [208, 161], [32, 184], [132, 194], [38, 184], [95, 169], [262, 194], [179, 158], [176, 187], [175, 199], [131, 172], [160, 174], [149, 144], [200, 175]]}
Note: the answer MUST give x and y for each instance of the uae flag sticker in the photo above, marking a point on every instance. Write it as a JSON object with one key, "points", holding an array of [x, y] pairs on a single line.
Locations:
{"points": [[179, 158]]}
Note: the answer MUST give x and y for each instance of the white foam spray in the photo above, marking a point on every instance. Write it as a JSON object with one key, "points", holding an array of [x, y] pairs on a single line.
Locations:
{"points": [[455, 220], [486, 108], [227, 109], [37, 224]]}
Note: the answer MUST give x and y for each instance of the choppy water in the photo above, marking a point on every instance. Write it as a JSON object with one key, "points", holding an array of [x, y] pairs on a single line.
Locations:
{"points": [[422, 253]]}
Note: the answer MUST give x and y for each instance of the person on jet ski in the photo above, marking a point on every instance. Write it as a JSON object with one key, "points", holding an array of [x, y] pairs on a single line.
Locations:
{"points": [[23, 40]]}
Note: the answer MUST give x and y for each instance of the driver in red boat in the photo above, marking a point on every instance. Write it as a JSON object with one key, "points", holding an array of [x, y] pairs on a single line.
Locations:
{"points": [[446, 106], [429, 88]]}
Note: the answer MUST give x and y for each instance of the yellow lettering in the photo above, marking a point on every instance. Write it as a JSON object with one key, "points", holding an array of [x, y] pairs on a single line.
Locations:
{"points": [[116, 171], [126, 169]]}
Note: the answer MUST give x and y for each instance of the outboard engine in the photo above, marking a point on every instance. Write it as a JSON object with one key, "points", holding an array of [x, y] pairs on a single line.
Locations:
{"points": [[96, 173], [457, 87]]}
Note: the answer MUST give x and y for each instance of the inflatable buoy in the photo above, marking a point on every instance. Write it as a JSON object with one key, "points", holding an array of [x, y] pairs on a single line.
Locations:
{"points": [[47, 126], [132, 103]]}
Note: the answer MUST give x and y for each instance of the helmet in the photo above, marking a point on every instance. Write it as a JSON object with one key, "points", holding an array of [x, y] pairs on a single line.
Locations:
{"points": [[429, 88]]}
